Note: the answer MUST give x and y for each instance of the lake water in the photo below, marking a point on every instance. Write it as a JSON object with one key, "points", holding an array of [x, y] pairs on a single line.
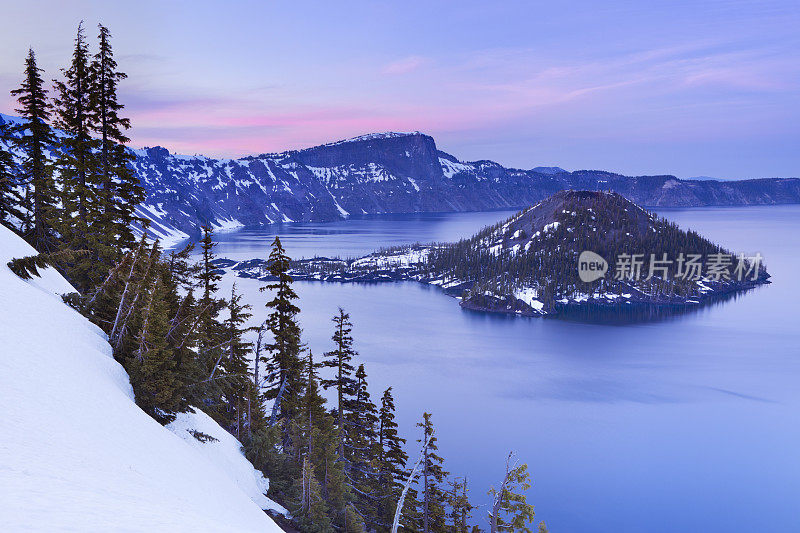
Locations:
{"points": [[687, 424]]}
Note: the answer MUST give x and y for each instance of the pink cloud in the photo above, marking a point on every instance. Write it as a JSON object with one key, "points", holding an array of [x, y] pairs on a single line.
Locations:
{"points": [[404, 66], [230, 131]]}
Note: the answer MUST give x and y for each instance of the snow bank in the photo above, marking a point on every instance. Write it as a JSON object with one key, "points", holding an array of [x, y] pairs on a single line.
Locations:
{"points": [[224, 452], [530, 296], [76, 453], [406, 257]]}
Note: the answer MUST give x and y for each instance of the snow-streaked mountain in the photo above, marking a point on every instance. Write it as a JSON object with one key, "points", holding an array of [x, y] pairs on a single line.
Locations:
{"points": [[389, 173], [77, 454]]}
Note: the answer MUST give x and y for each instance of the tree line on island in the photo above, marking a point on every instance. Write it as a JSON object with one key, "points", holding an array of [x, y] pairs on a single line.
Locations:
{"points": [[607, 224], [67, 188]]}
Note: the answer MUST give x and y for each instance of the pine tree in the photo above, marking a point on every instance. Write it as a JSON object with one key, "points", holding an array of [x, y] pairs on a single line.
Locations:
{"points": [[433, 476], [339, 359], [255, 404], [361, 451], [182, 332], [460, 507], [237, 386], [35, 139], [311, 513], [156, 383], [284, 367], [325, 452], [391, 461], [79, 224], [314, 439], [11, 214], [510, 509], [208, 276], [121, 191], [354, 522], [210, 380]]}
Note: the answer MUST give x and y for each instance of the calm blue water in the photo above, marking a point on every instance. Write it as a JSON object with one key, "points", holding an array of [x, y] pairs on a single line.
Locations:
{"points": [[689, 424]]}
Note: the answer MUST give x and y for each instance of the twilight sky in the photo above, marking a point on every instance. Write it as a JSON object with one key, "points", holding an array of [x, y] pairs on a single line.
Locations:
{"points": [[684, 87]]}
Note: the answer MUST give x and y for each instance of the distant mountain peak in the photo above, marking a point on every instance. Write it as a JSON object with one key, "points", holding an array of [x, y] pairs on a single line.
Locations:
{"points": [[549, 170], [9, 119], [388, 172], [374, 137]]}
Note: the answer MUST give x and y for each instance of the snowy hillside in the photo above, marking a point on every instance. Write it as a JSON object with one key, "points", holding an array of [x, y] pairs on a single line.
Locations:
{"points": [[76, 453]]}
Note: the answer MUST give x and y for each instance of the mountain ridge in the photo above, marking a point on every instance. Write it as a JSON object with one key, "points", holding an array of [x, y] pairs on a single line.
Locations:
{"points": [[388, 172]]}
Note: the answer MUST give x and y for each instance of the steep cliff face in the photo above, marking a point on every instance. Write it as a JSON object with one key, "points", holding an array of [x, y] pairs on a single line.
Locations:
{"points": [[388, 173]]}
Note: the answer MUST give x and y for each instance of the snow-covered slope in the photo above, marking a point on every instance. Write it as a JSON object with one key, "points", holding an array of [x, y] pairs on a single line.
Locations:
{"points": [[77, 454]]}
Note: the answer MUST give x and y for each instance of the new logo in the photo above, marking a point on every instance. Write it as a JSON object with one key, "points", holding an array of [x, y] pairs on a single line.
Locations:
{"points": [[591, 266]]}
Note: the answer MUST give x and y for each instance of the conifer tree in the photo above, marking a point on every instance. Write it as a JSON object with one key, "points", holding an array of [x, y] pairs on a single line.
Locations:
{"points": [[354, 522], [311, 413], [157, 384], [391, 460], [311, 513], [255, 399], [121, 191], [79, 223], [314, 439], [339, 359], [11, 214], [325, 454], [237, 386], [362, 451], [433, 476], [460, 507], [35, 140], [183, 310], [510, 508], [182, 331], [208, 277], [210, 381], [284, 367]]}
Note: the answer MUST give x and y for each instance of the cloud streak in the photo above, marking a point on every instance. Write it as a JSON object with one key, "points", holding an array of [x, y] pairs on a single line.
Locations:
{"points": [[576, 88], [405, 65]]}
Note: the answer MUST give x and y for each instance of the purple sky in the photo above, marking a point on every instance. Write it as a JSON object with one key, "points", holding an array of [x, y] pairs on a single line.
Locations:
{"points": [[634, 87]]}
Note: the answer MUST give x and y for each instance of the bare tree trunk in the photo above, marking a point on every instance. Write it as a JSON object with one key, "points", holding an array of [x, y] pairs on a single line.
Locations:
{"points": [[256, 366], [120, 332], [305, 495], [111, 274], [238, 418], [142, 348], [276, 406], [399, 510], [125, 291]]}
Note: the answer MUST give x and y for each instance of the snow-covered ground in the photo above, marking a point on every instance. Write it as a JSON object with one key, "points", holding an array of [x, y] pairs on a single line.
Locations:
{"points": [[77, 454], [530, 297], [405, 257]]}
